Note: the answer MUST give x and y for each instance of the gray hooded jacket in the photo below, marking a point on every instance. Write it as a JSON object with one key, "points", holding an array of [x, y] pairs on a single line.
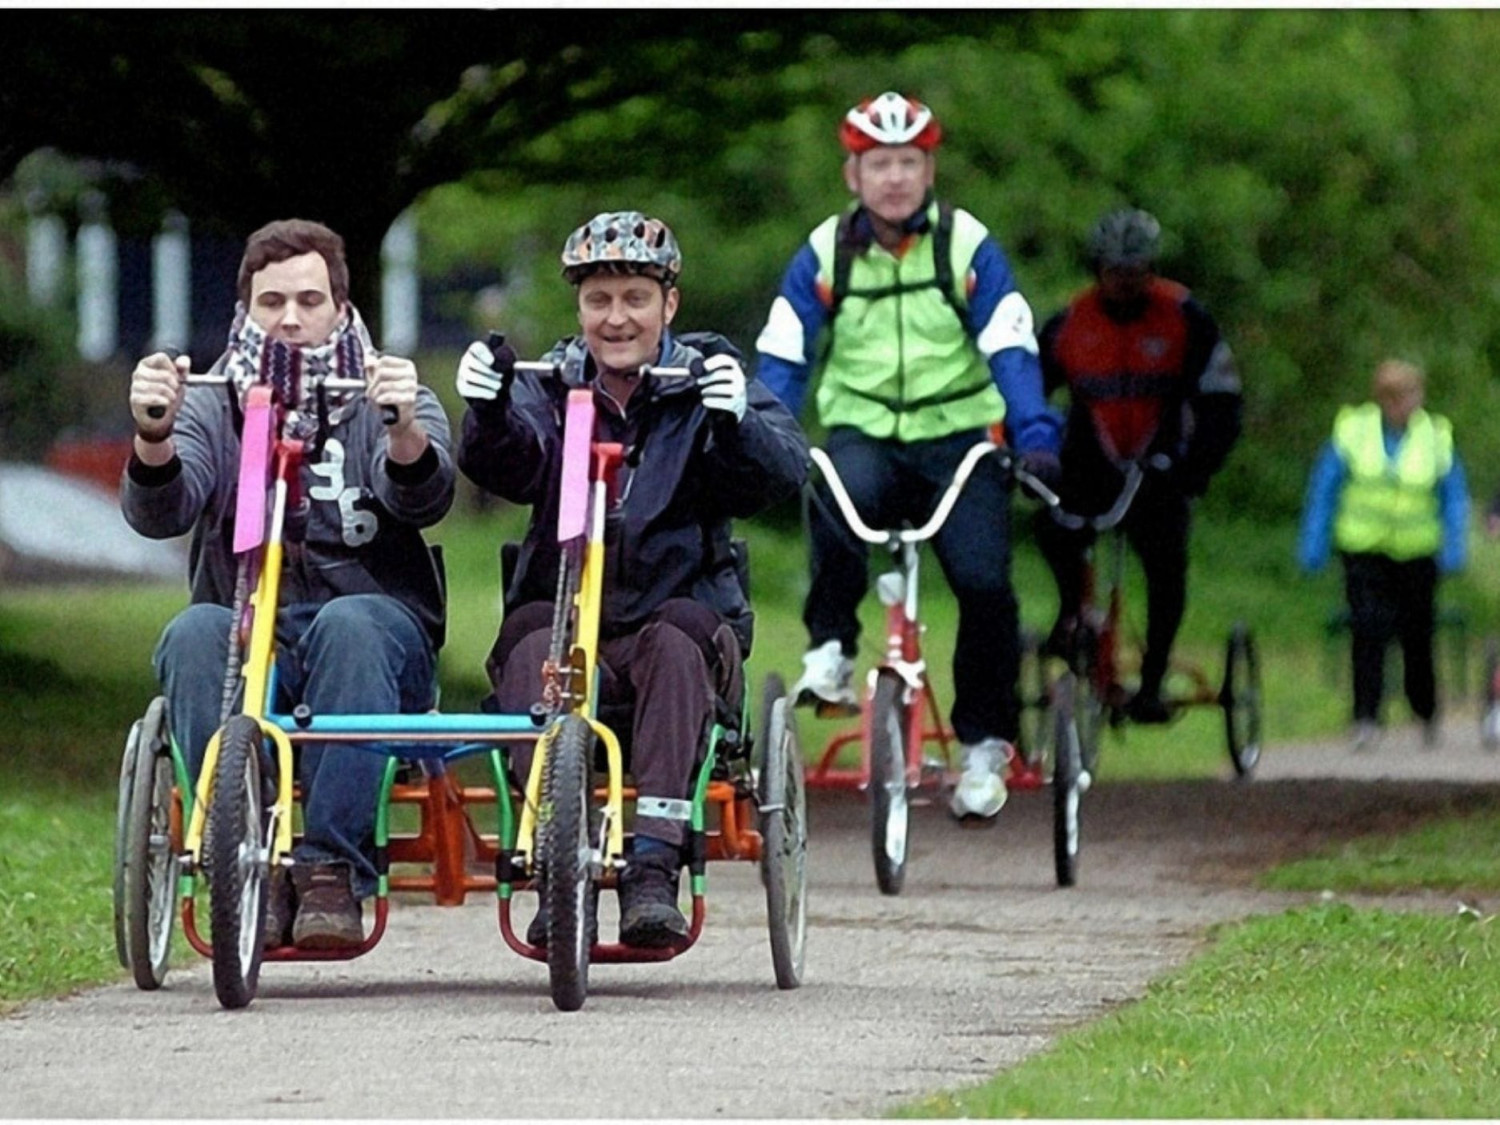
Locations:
{"points": [[359, 532]]}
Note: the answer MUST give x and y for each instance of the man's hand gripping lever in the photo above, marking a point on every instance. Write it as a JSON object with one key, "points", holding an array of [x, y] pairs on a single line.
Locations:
{"points": [[156, 388]]}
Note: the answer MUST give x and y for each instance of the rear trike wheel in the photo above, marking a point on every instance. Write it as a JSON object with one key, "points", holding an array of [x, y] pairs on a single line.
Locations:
{"points": [[1240, 698], [149, 866], [782, 798]]}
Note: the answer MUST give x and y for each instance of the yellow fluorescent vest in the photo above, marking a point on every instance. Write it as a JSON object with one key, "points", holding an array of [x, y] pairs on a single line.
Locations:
{"points": [[1389, 505], [902, 366]]}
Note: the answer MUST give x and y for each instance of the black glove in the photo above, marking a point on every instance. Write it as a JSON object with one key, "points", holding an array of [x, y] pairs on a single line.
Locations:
{"points": [[1044, 466], [486, 371]]}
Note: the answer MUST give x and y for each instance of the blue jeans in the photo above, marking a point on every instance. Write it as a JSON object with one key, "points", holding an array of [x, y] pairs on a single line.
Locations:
{"points": [[357, 654]]}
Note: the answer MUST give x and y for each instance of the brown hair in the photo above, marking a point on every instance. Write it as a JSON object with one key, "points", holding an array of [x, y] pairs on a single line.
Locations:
{"points": [[289, 238]]}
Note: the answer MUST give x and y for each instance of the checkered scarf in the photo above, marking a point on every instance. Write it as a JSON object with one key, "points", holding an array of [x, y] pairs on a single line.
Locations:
{"points": [[295, 373]]}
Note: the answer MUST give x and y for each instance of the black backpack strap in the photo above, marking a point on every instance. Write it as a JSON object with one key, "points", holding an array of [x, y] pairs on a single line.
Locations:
{"points": [[846, 245], [942, 256], [844, 248]]}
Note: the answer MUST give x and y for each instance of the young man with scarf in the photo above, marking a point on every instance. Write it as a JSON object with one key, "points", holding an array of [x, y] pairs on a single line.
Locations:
{"points": [[909, 312], [362, 609], [698, 454]]}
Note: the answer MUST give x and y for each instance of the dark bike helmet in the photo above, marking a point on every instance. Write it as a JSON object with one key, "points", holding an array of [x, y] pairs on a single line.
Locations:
{"points": [[622, 242], [1128, 237]]}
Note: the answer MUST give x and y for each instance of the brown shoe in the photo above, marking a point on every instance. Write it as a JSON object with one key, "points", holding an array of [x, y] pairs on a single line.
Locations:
{"points": [[281, 908], [328, 914]]}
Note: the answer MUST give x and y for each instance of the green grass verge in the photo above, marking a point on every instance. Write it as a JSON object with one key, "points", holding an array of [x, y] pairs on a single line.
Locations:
{"points": [[1323, 1012], [1457, 854], [56, 913]]}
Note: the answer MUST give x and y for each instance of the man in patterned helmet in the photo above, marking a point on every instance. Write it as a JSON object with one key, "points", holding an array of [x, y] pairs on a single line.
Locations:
{"points": [[906, 310], [699, 452]]}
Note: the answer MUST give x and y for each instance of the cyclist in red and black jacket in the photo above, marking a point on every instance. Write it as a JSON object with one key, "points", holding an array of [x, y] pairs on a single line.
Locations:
{"points": [[1149, 379]]}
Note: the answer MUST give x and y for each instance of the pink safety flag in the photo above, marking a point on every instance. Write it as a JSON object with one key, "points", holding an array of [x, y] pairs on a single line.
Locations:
{"points": [[578, 435], [255, 471]]}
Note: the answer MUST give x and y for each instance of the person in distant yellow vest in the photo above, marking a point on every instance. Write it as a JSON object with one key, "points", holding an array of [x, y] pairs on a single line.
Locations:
{"points": [[1389, 493]]}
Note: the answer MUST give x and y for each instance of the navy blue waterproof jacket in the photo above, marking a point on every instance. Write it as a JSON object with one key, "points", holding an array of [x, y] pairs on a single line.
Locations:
{"points": [[686, 477]]}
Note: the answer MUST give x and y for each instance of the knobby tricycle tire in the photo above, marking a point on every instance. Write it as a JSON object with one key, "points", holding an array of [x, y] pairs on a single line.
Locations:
{"points": [[782, 797], [568, 819], [890, 809], [235, 862]]}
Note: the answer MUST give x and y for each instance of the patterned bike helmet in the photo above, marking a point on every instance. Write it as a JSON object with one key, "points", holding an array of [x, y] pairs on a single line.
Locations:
{"points": [[891, 119], [1127, 237], [622, 242]]}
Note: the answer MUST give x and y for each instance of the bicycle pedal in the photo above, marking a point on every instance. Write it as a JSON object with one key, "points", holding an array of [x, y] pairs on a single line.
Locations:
{"points": [[824, 709]]}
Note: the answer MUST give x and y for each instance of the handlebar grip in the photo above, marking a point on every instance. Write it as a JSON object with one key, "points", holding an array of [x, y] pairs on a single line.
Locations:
{"points": [[389, 415], [161, 411]]}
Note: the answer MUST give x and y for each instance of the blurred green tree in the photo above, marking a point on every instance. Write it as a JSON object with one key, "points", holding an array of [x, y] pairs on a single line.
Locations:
{"points": [[1328, 183], [241, 117], [1328, 180]]}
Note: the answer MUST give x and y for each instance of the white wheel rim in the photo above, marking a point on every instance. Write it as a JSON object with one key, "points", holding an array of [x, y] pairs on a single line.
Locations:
{"points": [[249, 863], [161, 875]]}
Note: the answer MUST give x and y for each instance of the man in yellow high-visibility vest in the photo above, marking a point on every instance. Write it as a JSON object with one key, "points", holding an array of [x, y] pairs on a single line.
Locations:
{"points": [[1388, 491]]}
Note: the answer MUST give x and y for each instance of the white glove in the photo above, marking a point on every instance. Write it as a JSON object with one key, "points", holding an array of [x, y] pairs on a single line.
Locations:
{"points": [[722, 386], [478, 380]]}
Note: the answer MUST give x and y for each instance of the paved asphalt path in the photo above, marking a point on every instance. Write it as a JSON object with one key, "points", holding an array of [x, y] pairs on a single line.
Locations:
{"points": [[978, 964]]}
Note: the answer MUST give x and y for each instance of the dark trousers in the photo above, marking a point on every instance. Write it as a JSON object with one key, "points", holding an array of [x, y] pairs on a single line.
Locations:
{"points": [[1390, 600], [891, 482], [1156, 528], [666, 677]]}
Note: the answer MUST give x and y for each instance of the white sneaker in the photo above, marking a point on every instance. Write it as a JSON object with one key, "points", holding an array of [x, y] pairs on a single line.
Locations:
{"points": [[827, 677], [1366, 735], [981, 793]]}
